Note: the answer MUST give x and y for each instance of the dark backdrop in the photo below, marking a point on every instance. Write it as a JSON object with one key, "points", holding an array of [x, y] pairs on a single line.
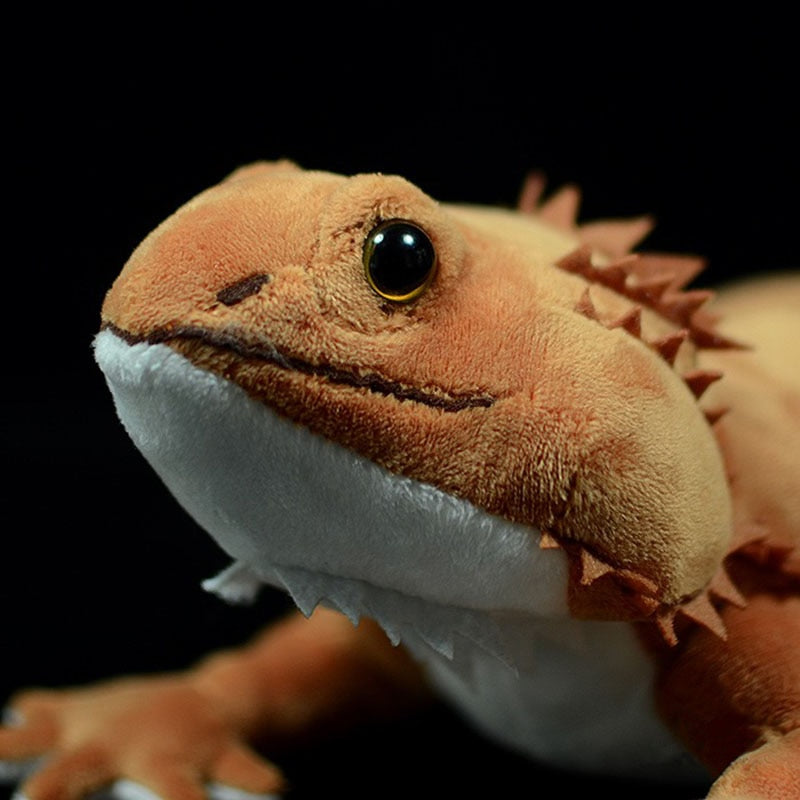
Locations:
{"points": [[115, 122]]}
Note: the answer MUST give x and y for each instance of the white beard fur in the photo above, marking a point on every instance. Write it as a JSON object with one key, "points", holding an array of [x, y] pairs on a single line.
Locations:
{"points": [[469, 594]]}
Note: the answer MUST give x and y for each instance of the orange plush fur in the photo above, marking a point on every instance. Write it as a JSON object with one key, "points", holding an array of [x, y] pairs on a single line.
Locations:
{"points": [[545, 376], [577, 457]]}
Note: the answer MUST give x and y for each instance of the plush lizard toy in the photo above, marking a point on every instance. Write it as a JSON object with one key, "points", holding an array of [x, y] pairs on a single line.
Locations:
{"points": [[479, 432]]}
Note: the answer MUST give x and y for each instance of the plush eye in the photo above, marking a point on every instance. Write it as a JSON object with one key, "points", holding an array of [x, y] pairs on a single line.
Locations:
{"points": [[399, 260]]}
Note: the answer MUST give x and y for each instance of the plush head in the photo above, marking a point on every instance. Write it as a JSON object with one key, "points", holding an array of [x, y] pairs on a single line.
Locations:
{"points": [[477, 356]]}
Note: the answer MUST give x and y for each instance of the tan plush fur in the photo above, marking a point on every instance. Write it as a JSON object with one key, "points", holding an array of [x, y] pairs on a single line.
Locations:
{"points": [[545, 376], [611, 450]]}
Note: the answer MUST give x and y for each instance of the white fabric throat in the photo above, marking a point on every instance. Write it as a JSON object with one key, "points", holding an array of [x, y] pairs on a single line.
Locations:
{"points": [[468, 593], [310, 516]]}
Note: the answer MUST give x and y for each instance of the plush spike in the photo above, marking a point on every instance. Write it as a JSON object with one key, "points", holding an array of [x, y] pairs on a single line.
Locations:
{"points": [[705, 337], [714, 415], [668, 345], [665, 622], [585, 305], [701, 610], [651, 290], [769, 547], [392, 632], [532, 192], [749, 535], [444, 646], [592, 568], [680, 307], [699, 380], [638, 583], [340, 604], [627, 262], [647, 605], [774, 556], [614, 276], [706, 318], [578, 262], [615, 238], [548, 542], [656, 283], [631, 322], [723, 587], [561, 209], [683, 269]]}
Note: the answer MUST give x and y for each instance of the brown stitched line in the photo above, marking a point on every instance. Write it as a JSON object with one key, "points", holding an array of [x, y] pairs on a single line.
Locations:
{"points": [[374, 383]]}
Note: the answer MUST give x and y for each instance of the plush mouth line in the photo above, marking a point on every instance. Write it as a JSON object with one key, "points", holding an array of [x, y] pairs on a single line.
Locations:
{"points": [[377, 384]]}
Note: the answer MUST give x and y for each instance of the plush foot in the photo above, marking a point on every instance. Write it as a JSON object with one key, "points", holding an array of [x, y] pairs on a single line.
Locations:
{"points": [[159, 733]]}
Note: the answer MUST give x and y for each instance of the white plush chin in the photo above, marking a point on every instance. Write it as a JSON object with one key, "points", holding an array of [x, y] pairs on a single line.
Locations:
{"points": [[300, 512], [470, 594]]}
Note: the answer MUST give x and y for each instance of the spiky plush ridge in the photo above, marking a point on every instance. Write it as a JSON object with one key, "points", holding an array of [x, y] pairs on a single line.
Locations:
{"points": [[612, 456], [657, 282], [637, 358]]}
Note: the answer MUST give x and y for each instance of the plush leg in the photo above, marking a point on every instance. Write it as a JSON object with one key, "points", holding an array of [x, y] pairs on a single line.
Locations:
{"points": [[176, 734], [736, 703]]}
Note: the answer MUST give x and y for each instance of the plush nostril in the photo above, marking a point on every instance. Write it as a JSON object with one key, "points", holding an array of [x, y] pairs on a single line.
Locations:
{"points": [[236, 292]]}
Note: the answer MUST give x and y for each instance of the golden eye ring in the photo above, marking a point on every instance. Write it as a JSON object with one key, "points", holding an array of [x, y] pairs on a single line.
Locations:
{"points": [[399, 260]]}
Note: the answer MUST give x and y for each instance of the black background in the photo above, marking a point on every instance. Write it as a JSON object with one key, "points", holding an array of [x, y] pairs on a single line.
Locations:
{"points": [[112, 123]]}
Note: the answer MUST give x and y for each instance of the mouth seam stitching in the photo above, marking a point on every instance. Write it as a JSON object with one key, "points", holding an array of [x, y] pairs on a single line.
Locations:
{"points": [[372, 382]]}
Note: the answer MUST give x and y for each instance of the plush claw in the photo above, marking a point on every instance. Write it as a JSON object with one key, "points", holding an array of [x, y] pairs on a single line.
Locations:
{"points": [[136, 739], [124, 789], [70, 776], [217, 791], [20, 747], [238, 766], [25, 738]]}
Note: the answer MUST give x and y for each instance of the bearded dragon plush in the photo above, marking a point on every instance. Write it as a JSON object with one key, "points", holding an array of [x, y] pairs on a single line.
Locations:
{"points": [[498, 438]]}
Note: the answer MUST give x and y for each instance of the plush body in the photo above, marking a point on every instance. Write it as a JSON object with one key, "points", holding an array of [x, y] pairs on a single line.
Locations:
{"points": [[538, 463]]}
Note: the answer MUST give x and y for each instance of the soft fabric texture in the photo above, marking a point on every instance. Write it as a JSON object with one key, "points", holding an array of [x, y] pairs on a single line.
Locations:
{"points": [[245, 473], [623, 464], [546, 468], [473, 596]]}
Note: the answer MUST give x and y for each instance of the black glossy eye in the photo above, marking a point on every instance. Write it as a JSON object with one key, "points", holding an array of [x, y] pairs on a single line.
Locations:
{"points": [[399, 260]]}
